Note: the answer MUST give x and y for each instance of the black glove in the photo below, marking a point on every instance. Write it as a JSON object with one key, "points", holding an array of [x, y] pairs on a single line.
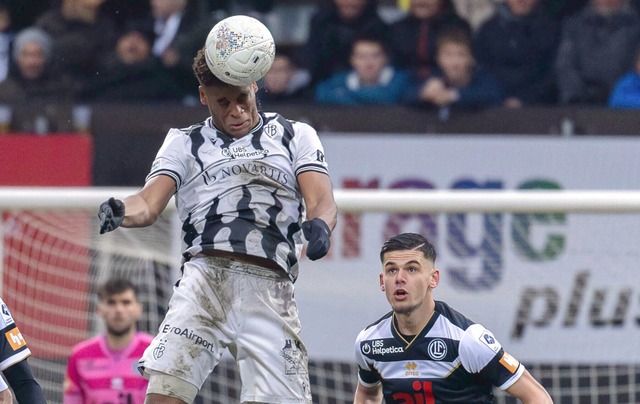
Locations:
{"points": [[317, 234], [111, 215]]}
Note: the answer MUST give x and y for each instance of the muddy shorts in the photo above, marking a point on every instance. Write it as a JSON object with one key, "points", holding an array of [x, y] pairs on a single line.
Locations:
{"points": [[223, 304]]}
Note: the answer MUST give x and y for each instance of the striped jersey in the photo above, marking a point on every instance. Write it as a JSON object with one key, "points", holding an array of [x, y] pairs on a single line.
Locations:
{"points": [[13, 347], [452, 360], [241, 195], [98, 375]]}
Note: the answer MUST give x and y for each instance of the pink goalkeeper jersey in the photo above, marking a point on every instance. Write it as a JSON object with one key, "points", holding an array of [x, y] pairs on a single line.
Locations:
{"points": [[98, 375]]}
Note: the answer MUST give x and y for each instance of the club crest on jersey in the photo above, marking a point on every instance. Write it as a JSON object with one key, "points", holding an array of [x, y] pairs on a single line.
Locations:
{"points": [[490, 341], [270, 130], [437, 349], [159, 350], [320, 156], [6, 314]]}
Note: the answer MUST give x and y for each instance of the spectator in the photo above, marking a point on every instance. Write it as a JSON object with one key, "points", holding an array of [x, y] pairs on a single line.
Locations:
{"points": [[82, 36], [371, 80], [285, 81], [30, 77], [596, 48], [475, 11], [103, 369], [331, 33], [6, 35], [413, 38], [131, 72], [181, 27], [626, 92], [459, 82], [518, 45]]}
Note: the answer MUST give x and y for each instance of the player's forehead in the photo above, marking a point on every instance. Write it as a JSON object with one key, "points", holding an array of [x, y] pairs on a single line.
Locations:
{"points": [[124, 296], [405, 257], [231, 93]]}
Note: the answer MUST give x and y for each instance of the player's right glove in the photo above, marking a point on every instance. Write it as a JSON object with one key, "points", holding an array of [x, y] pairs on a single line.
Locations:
{"points": [[111, 215], [318, 235]]}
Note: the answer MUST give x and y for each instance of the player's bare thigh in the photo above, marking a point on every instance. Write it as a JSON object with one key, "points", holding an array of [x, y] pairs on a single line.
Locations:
{"points": [[160, 399]]}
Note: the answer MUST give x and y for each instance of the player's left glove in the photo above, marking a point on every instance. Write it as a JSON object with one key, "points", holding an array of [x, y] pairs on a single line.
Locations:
{"points": [[111, 215], [318, 234]]}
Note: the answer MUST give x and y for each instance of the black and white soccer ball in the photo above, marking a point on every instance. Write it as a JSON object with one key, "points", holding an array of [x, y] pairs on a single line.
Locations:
{"points": [[239, 50]]}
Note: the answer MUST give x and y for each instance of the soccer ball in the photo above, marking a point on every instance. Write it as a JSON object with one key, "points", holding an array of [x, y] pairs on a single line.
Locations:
{"points": [[239, 50]]}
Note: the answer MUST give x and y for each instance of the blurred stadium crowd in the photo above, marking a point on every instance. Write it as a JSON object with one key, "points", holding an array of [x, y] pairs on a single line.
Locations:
{"points": [[427, 53]]}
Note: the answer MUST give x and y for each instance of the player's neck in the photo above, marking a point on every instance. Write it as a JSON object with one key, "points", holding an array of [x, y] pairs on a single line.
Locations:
{"points": [[119, 342], [412, 323]]}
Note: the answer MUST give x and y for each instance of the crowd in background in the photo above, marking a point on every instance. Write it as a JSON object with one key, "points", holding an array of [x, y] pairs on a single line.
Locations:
{"points": [[432, 53]]}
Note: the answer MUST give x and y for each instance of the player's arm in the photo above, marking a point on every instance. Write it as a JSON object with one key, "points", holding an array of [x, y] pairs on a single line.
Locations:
{"points": [[322, 212], [317, 192], [24, 385], [140, 209], [368, 395], [143, 208], [529, 391], [5, 394]]}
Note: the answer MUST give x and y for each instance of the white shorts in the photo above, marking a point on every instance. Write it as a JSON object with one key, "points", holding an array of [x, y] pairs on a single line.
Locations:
{"points": [[250, 310]]}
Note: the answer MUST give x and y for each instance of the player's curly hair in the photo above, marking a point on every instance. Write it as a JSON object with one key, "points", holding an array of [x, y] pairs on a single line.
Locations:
{"points": [[203, 73], [409, 241]]}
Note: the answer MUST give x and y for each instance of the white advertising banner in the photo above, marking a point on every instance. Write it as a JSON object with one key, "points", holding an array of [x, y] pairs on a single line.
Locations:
{"points": [[554, 288]]}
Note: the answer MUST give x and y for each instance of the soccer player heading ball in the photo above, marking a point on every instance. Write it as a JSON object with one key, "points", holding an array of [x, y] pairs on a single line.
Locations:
{"points": [[424, 351], [248, 185]]}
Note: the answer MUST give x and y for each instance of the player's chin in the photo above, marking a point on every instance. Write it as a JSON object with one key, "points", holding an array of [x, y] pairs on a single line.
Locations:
{"points": [[239, 129]]}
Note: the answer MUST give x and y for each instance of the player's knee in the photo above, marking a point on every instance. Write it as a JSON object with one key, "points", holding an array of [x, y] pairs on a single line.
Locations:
{"points": [[166, 385]]}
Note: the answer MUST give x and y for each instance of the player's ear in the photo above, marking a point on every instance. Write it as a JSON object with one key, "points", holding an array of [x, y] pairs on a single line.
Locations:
{"points": [[381, 283], [254, 85], [435, 278], [203, 96]]}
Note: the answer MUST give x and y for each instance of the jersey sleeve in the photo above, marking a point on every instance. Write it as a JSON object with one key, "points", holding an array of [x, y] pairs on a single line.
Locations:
{"points": [[367, 375], [171, 158], [309, 150], [480, 352], [13, 347], [72, 392]]}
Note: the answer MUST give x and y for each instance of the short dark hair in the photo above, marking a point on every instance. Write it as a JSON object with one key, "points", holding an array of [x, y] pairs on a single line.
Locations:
{"points": [[203, 73], [409, 241], [115, 286]]}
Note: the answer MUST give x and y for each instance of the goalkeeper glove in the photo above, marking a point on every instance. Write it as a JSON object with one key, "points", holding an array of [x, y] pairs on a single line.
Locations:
{"points": [[111, 215], [317, 233]]}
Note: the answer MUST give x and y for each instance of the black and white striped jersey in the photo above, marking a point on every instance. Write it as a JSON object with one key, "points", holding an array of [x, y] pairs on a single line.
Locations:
{"points": [[13, 347], [452, 360], [242, 195]]}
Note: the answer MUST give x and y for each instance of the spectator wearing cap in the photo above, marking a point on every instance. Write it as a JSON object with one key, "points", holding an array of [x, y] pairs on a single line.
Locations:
{"points": [[31, 77], [131, 72]]}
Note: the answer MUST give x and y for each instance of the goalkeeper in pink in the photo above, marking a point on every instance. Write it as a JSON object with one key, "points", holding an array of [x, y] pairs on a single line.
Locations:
{"points": [[248, 185], [103, 369]]}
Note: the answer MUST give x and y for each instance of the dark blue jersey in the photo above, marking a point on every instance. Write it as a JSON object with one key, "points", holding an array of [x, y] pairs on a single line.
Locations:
{"points": [[452, 360], [13, 347]]}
